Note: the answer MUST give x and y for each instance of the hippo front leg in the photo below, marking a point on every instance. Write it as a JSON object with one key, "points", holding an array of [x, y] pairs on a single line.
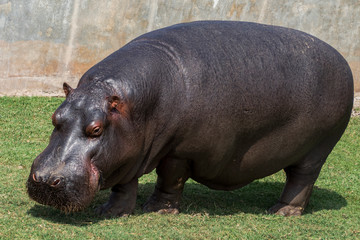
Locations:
{"points": [[122, 200], [172, 175]]}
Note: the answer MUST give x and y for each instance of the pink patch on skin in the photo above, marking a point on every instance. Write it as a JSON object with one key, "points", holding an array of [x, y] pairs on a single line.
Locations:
{"points": [[94, 177], [94, 169]]}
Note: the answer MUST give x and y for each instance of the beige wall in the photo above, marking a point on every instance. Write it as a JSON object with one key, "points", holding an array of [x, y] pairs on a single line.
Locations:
{"points": [[44, 43]]}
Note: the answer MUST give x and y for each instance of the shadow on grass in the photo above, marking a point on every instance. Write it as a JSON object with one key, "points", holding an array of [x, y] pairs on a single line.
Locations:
{"points": [[254, 198]]}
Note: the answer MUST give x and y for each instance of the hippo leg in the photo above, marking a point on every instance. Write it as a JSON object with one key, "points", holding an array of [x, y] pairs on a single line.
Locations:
{"points": [[172, 175], [296, 193], [122, 200], [300, 179]]}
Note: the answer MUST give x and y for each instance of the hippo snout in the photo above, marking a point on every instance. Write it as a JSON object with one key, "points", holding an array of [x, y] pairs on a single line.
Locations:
{"points": [[63, 189]]}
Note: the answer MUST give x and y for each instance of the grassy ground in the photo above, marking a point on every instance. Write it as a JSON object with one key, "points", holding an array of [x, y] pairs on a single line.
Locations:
{"points": [[333, 212]]}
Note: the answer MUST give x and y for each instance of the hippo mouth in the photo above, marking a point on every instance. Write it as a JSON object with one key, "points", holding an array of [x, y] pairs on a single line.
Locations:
{"points": [[73, 195]]}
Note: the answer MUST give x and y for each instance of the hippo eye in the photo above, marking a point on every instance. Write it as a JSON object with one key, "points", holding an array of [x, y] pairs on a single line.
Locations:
{"points": [[94, 130]]}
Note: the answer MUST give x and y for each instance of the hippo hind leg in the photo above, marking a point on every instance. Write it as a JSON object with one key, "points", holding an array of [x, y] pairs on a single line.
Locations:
{"points": [[172, 175], [300, 178]]}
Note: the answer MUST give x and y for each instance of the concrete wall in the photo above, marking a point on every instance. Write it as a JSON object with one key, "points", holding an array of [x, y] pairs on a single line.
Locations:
{"points": [[46, 42]]}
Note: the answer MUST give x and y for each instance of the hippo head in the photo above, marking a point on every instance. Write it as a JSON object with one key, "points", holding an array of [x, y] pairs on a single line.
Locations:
{"points": [[92, 146]]}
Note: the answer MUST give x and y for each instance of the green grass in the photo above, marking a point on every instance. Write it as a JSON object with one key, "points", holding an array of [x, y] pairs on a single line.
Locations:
{"points": [[333, 212]]}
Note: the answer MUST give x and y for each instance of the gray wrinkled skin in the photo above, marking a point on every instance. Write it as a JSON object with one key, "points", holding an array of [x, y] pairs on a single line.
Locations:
{"points": [[223, 103]]}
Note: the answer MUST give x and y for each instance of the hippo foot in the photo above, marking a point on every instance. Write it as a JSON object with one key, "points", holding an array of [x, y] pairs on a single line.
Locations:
{"points": [[108, 210], [161, 205], [116, 207], [284, 209]]}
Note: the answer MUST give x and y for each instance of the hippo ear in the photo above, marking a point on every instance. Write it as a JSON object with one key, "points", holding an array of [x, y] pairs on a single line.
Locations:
{"points": [[67, 89], [117, 106]]}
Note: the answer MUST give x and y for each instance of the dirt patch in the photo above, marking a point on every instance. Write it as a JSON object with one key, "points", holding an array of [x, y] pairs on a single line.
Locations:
{"points": [[356, 107]]}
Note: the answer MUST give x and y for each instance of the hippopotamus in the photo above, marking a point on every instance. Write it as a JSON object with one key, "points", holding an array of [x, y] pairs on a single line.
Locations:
{"points": [[221, 102]]}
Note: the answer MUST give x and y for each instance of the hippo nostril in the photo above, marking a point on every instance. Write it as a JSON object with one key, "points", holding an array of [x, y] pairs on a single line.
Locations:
{"points": [[56, 182], [36, 179]]}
